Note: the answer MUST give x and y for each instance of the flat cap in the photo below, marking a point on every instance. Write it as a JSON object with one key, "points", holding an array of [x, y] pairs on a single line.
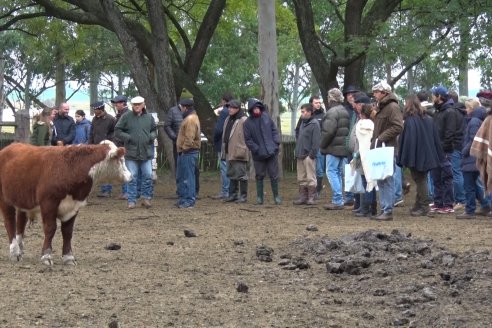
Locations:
{"points": [[362, 99], [137, 100], [382, 86], [119, 98], [234, 103], [97, 105]]}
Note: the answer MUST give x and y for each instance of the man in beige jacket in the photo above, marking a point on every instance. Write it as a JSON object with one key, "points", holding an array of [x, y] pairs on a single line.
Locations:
{"points": [[188, 147]]}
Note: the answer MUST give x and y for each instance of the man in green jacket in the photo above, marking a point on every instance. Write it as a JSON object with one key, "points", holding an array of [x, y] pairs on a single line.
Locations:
{"points": [[137, 130]]}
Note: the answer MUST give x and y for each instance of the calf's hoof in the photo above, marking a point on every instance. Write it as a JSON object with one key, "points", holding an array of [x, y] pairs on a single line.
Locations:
{"points": [[47, 259], [69, 260], [15, 251]]}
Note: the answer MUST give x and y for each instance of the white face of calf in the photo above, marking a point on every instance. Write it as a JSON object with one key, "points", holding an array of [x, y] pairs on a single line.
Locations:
{"points": [[112, 169]]}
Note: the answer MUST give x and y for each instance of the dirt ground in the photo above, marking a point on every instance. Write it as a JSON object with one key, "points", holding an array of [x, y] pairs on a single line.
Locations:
{"points": [[411, 272]]}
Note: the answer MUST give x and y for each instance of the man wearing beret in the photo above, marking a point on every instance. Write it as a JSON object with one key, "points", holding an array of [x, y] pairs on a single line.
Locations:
{"points": [[188, 144], [138, 131], [120, 105], [102, 129]]}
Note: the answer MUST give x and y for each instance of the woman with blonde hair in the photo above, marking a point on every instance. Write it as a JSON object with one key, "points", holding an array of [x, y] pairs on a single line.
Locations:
{"points": [[475, 114], [41, 128]]}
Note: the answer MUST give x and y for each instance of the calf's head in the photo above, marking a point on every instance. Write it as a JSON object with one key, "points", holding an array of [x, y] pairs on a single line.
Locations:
{"points": [[112, 169]]}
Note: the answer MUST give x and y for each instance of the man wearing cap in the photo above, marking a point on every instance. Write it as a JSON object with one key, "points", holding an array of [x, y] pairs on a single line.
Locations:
{"points": [[223, 114], [120, 105], [334, 131], [188, 143], [236, 153], [449, 123], [388, 124], [349, 94], [137, 130], [172, 125], [63, 127], [102, 129]]}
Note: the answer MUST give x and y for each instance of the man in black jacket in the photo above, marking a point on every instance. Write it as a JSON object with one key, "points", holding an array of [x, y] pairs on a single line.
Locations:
{"points": [[449, 123], [63, 127]]}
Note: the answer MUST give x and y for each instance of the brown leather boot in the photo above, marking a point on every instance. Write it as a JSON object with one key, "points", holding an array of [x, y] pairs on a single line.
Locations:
{"points": [[311, 196], [303, 196]]}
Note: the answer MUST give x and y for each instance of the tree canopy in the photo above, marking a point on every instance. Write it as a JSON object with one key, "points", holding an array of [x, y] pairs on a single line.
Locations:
{"points": [[158, 47]]}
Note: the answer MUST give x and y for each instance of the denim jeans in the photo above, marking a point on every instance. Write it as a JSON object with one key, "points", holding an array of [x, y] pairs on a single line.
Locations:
{"points": [[430, 185], [442, 177], [334, 172], [348, 195], [474, 191], [223, 176], [459, 192], [320, 165], [185, 178], [144, 179], [106, 188], [398, 178], [369, 196], [124, 189], [387, 193]]}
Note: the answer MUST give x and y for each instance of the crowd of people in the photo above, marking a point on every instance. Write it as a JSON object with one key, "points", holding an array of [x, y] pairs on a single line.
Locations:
{"points": [[442, 140], [437, 141]]}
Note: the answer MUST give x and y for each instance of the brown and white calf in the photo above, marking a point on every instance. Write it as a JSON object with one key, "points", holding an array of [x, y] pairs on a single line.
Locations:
{"points": [[54, 182]]}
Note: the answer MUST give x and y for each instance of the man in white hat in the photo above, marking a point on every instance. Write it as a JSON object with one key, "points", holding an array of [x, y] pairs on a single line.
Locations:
{"points": [[137, 130], [388, 124]]}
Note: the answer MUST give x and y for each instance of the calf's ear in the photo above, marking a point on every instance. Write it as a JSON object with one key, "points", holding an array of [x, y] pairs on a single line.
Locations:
{"points": [[117, 152]]}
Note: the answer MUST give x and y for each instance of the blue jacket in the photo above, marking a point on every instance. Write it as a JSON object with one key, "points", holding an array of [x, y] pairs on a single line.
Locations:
{"points": [[219, 128], [82, 132], [260, 133], [473, 121]]}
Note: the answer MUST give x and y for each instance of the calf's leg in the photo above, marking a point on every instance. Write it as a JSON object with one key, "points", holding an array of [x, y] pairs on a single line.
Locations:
{"points": [[21, 222], [9, 222], [67, 231]]}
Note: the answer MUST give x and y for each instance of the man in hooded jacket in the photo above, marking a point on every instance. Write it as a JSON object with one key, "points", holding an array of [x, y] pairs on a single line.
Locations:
{"points": [[263, 140]]}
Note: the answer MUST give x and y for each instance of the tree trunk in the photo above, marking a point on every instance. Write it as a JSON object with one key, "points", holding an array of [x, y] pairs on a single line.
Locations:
{"points": [[2, 91], [463, 57], [93, 88], [295, 101], [61, 93], [23, 130], [267, 44]]}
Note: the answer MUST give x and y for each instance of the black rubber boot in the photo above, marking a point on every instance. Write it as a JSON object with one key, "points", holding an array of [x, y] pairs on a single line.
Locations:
{"points": [[259, 192], [276, 198], [243, 191], [232, 191]]}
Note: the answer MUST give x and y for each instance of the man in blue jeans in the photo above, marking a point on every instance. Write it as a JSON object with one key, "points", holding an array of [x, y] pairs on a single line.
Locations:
{"points": [[388, 124], [223, 113], [137, 130], [334, 130], [188, 145]]}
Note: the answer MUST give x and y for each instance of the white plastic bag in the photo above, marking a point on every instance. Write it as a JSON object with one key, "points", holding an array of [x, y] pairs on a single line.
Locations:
{"points": [[380, 162], [353, 180]]}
